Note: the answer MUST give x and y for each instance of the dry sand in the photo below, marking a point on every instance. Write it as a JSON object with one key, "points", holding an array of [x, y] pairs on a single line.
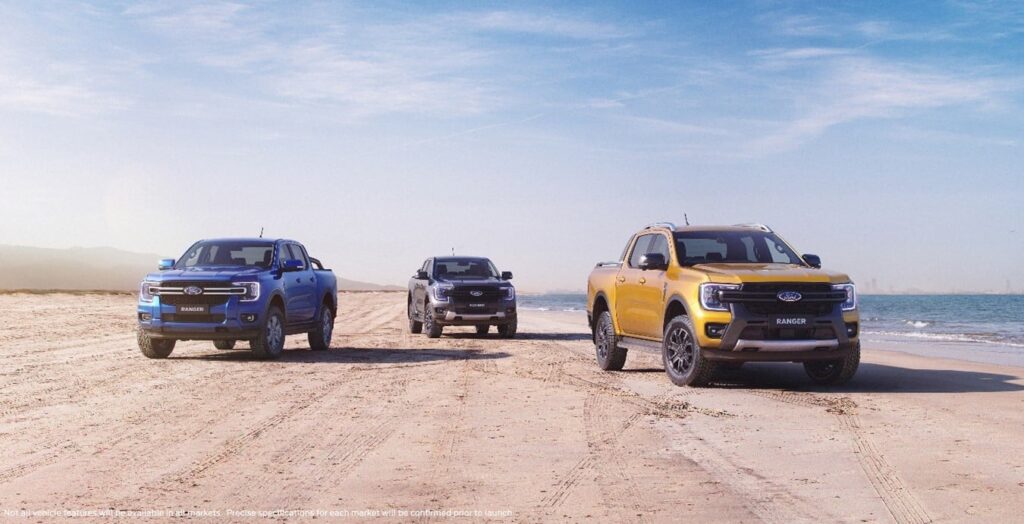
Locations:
{"points": [[393, 421]]}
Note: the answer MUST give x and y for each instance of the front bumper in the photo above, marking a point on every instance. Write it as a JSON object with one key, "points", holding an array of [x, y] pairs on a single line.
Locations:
{"points": [[826, 337], [233, 320], [447, 314]]}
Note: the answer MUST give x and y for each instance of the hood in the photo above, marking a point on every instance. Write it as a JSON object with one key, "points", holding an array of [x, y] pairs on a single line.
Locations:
{"points": [[206, 273], [739, 273], [475, 281]]}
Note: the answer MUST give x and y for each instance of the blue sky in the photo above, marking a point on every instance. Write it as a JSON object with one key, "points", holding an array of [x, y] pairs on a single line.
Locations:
{"points": [[886, 137]]}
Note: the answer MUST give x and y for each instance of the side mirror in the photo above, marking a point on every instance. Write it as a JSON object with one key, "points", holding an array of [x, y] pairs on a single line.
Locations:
{"points": [[421, 275], [813, 260], [653, 261], [292, 265], [165, 264], [506, 275]]}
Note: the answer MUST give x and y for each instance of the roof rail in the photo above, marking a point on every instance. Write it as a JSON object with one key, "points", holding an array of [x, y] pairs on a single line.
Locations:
{"points": [[762, 227], [668, 225]]}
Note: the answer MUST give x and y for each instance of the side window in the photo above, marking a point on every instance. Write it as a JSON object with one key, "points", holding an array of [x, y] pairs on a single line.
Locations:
{"points": [[640, 249], [299, 254], [659, 245]]}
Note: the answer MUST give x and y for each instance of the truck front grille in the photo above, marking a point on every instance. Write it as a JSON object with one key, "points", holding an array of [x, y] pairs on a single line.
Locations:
{"points": [[762, 298], [770, 333], [466, 294], [214, 293]]}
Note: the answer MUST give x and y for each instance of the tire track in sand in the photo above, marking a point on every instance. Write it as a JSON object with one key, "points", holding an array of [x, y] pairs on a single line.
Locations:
{"points": [[903, 507]]}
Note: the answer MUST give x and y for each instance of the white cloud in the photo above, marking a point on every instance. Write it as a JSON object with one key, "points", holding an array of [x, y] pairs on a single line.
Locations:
{"points": [[548, 25], [861, 88]]}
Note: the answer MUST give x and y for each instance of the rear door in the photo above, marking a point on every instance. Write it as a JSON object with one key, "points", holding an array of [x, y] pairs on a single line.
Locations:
{"points": [[628, 289]]}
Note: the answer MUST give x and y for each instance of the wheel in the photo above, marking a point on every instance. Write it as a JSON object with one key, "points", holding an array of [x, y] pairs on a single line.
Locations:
{"points": [[320, 336], [610, 357], [415, 326], [155, 347], [508, 330], [270, 342], [834, 372], [684, 360], [224, 344], [482, 330], [432, 328]]}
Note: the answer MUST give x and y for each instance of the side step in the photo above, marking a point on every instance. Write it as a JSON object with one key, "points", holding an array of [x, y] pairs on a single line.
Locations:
{"points": [[640, 344]]}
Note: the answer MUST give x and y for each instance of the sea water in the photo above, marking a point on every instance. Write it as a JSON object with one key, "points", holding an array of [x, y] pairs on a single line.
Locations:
{"points": [[986, 323]]}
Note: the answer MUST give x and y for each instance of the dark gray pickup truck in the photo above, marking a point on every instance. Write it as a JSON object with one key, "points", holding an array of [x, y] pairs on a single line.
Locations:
{"points": [[461, 291]]}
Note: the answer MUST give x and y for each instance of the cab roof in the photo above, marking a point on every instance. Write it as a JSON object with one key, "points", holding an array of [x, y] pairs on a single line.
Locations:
{"points": [[706, 228]]}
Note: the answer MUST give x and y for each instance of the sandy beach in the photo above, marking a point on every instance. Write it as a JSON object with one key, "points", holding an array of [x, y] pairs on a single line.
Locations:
{"points": [[526, 429]]}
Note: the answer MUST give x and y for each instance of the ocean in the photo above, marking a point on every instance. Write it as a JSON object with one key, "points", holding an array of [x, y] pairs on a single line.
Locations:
{"points": [[992, 320]]}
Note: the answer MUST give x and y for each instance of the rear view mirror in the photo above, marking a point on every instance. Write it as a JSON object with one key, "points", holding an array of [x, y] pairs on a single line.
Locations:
{"points": [[813, 260], [292, 265], [506, 275], [421, 275], [653, 261], [165, 264]]}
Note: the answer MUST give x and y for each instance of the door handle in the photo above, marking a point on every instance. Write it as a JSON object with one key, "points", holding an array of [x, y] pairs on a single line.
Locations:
{"points": [[622, 279], [643, 280]]}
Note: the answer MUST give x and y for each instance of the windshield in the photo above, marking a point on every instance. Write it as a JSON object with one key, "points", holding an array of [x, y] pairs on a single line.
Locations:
{"points": [[736, 247], [228, 253], [464, 268]]}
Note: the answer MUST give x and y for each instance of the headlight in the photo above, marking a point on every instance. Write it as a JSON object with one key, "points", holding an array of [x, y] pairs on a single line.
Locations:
{"points": [[510, 293], [441, 292], [146, 291], [252, 290], [709, 298], [850, 303]]}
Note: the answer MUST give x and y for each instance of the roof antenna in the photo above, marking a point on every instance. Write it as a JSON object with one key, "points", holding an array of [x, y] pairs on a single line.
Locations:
{"points": [[453, 251], [686, 219], [261, 232]]}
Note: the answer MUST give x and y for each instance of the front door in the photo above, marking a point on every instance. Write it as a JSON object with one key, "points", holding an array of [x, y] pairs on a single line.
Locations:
{"points": [[629, 289], [299, 287]]}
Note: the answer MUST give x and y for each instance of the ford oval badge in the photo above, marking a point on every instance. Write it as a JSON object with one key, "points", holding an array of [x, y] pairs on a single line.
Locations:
{"points": [[476, 293], [789, 296], [193, 290]]}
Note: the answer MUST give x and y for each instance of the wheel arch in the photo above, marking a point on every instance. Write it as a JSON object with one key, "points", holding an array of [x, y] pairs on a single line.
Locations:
{"points": [[673, 308]]}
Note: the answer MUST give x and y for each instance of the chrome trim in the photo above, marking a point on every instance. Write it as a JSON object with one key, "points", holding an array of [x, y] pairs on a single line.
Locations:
{"points": [[216, 291], [450, 315], [786, 345], [761, 227], [668, 225]]}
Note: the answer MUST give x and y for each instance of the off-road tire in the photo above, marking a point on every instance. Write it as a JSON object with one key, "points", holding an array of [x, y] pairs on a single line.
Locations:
{"points": [[320, 336], [432, 328], [224, 344], [270, 342], [482, 330], [610, 357], [682, 355], [834, 372], [155, 347], [415, 326], [508, 330]]}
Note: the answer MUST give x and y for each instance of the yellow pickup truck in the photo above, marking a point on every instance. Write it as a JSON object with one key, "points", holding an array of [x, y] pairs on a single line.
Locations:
{"points": [[712, 297]]}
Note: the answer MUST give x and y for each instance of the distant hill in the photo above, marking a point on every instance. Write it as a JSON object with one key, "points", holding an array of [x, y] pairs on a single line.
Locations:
{"points": [[95, 268]]}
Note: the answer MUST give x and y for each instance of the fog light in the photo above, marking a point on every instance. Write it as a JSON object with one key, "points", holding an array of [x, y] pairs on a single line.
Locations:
{"points": [[715, 330], [145, 317], [851, 329], [439, 310], [248, 317]]}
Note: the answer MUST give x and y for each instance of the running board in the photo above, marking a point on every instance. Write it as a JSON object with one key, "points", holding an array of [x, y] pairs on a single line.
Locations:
{"points": [[640, 344]]}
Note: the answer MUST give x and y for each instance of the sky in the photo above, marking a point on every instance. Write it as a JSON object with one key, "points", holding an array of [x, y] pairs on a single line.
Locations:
{"points": [[886, 137]]}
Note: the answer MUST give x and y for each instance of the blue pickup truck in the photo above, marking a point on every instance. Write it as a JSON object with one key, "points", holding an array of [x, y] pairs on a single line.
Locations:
{"points": [[232, 289]]}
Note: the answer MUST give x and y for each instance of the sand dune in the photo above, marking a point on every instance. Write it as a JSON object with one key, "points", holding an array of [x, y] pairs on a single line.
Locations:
{"points": [[100, 268]]}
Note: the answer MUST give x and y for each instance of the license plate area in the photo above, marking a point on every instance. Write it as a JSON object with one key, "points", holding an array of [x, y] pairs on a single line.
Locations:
{"points": [[193, 309], [477, 306], [791, 321]]}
